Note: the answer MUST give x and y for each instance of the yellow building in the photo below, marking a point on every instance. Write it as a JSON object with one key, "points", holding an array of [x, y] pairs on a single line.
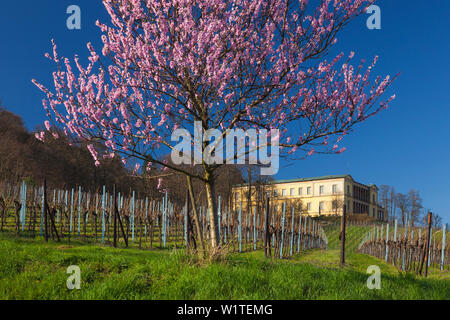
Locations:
{"points": [[325, 195]]}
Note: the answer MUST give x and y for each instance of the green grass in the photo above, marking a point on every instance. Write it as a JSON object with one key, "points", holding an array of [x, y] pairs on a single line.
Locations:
{"points": [[32, 269]]}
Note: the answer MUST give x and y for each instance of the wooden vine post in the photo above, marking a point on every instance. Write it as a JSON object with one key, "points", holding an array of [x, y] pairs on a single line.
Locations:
{"points": [[427, 245], [443, 246], [240, 227], [342, 235], [266, 230], [283, 219], [186, 212], [45, 211], [115, 219], [292, 231]]}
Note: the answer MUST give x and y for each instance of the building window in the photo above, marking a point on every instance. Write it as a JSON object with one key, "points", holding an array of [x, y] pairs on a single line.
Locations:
{"points": [[320, 206], [283, 192], [308, 206], [300, 191], [308, 190], [348, 190], [321, 189], [237, 196], [373, 212], [334, 188], [291, 192], [275, 193], [373, 198], [348, 206]]}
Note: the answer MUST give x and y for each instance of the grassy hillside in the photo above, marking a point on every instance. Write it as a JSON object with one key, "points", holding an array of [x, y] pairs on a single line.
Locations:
{"points": [[31, 269], [354, 236]]}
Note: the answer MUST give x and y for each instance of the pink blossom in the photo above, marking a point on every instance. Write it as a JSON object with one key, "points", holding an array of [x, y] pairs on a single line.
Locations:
{"points": [[92, 151], [40, 136], [47, 125], [232, 68]]}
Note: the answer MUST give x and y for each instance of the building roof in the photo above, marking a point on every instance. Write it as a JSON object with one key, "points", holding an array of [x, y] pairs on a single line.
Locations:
{"points": [[305, 179], [336, 176]]}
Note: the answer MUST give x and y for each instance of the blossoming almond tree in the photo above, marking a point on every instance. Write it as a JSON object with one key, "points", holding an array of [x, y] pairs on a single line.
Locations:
{"points": [[258, 64]]}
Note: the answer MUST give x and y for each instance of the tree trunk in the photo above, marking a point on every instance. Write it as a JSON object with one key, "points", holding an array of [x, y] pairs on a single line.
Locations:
{"points": [[213, 218], [200, 241]]}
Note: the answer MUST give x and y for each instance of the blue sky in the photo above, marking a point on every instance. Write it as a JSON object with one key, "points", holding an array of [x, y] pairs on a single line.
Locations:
{"points": [[406, 146]]}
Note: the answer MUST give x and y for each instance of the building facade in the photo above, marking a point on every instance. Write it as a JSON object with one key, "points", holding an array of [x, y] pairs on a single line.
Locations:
{"points": [[325, 195]]}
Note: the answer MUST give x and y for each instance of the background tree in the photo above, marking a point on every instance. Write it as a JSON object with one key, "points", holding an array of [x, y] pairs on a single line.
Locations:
{"points": [[227, 64], [65, 162], [392, 205], [437, 221], [402, 203], [384, 195], [14, 149], [256, 185], [337, 204], [415, 209]]}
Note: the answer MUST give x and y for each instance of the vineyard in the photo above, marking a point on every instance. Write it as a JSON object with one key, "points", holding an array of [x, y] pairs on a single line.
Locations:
{"points": [[132, 220], [131, 246], [408, 248], [355, 233]]}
